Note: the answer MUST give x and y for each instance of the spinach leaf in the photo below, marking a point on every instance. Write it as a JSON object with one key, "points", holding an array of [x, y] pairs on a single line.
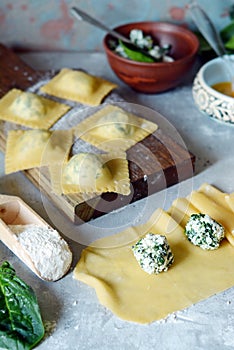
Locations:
{"points": [[227, 32], [230, 43], [204, 45], [136, 55], [21, 327]]}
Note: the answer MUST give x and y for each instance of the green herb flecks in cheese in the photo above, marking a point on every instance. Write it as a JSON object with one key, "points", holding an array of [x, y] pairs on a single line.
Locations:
{"points": [[153, 253], [203, 231]]}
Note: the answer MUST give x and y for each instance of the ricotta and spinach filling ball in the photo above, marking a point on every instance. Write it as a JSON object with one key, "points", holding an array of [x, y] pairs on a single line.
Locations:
{"points": [[153, 253], [203, 231]]}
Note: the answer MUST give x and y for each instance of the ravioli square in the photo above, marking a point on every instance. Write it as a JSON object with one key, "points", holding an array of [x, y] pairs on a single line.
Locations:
{"points": [[113, 128], [91, 173], [31, 110], [26, 149], [78, 86]]}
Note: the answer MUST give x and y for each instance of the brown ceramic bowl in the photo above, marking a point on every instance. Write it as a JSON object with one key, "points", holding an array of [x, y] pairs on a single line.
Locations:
{"points": [[159, 76]]}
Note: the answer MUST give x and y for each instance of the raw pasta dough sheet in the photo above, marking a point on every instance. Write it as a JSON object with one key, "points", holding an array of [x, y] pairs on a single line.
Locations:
{"points": [[109, 266]]}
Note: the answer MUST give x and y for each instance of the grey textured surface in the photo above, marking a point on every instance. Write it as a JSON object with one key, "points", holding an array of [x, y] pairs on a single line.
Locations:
{"points": [[73, 316]]}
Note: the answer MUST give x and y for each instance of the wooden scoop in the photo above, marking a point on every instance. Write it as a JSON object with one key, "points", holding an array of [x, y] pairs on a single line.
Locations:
{"points": [[14, 211]]}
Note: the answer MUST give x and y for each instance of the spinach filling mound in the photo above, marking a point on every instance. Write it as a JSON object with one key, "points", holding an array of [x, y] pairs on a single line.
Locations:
{"points": [[203, 231], [153, 253]]}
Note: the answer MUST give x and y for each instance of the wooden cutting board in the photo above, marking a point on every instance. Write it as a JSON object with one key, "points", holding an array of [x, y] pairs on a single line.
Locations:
{"points": [[156, 162]]}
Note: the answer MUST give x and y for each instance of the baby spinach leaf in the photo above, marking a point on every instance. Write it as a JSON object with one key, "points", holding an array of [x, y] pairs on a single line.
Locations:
{"points": [[204, 45], [136, 55], [230, 43], [227, 32], [21, 326]]}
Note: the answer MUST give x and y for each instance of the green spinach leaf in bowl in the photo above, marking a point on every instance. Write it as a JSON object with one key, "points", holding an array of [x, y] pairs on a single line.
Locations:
{"points": [[149, 53]]}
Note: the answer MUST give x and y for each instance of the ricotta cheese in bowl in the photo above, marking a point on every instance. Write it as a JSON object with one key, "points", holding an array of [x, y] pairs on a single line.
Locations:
{"points": [[159, 53]]}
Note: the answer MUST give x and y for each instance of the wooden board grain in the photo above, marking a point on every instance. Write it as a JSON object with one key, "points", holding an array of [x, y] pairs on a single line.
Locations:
{"points": [[155, 163]]}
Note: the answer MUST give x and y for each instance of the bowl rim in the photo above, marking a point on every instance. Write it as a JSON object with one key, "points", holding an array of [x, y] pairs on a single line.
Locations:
{"points": [[208, 87], [154, 64]]}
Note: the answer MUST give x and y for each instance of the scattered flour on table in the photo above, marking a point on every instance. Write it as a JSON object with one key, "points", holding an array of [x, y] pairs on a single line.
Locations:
{"points": [[49, 252]]}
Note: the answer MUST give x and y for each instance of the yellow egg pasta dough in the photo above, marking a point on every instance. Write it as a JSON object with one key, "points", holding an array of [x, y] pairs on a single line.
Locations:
{"points": [[114, 128], [92, 173], [31, 110], [26, 149], [230, 201], [213, 193], [109, 266], [224, 199], [78, 86]]}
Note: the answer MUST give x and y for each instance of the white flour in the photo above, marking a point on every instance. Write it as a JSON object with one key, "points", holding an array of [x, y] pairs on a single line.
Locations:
{"points": [[48, 251]]}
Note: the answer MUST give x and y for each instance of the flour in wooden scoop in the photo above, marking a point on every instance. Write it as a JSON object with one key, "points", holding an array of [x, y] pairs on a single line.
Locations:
{"points": [[49, 252]]}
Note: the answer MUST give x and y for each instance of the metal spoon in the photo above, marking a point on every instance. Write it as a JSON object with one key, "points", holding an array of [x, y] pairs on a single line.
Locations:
{"points": [[83, 16], [208, 30]]}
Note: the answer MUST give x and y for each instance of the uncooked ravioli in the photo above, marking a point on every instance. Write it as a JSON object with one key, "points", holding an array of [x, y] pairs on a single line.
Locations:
{"points": [[112, 128], [28, 106], [26, 149], [130, 293], [78, 86], [116, 124], [84, 169], [31, 110], [92, 173]]}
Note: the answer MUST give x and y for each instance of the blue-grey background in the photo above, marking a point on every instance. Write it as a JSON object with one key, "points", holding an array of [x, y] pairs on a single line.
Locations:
{"points": [[48, 25]]}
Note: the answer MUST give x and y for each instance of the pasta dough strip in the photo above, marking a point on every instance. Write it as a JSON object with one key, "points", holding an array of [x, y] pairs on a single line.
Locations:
{"points": [[214, 210], [214, 194]]}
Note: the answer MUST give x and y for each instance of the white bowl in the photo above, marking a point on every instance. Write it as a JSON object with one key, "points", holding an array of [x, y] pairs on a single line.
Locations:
{"points": [[208, 100]]}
